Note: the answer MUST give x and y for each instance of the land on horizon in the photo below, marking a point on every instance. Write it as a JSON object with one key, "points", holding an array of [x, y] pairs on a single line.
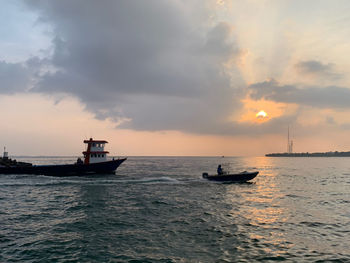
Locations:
{"points": [[307, 154]]}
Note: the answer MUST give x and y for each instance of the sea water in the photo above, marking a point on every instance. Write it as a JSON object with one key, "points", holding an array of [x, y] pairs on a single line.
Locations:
{"points": [[159, 209]]}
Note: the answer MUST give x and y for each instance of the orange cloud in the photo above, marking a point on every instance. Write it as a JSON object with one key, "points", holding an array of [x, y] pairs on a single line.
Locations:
{"points": [[274, 110]]}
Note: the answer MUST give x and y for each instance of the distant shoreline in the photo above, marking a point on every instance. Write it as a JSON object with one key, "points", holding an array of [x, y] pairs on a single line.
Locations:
{"points": [[307, 154]]}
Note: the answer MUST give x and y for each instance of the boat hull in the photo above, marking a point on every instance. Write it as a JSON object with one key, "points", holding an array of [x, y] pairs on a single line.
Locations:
{"points": [[241, 177], [65, 169]]}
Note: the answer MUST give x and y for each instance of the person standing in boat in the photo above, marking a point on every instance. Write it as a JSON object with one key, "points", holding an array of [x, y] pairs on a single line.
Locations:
{"points": [[220, 171]]}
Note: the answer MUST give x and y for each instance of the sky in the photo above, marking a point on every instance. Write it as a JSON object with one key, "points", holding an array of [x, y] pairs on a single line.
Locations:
{"points": [[174, 77]]}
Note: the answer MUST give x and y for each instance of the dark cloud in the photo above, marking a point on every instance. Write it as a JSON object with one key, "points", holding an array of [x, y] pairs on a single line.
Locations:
{"points": [[147, 62], [326, 97], [15, 77], [273, 126], [314, 67]]}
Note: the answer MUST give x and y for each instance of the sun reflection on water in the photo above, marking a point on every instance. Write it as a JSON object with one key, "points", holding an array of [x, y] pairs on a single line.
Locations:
{"points": [[261, 208]]}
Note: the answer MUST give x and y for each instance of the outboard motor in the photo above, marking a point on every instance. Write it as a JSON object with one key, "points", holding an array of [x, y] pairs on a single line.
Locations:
{"points": [[205, 175]]}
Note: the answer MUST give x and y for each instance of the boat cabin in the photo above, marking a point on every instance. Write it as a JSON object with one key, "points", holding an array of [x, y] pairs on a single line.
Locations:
{"points": [[6, 154], [95, 152]]}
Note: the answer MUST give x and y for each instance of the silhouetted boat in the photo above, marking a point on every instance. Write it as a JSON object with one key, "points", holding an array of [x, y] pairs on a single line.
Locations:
{"points": [[240, 177], [95, 162]]}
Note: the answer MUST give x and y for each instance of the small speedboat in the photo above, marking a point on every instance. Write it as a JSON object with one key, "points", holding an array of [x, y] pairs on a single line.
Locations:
{"points": [[228, 177]]}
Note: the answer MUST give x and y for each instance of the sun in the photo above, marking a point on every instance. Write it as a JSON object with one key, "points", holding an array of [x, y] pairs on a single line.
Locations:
{"points": [[261, 114]]}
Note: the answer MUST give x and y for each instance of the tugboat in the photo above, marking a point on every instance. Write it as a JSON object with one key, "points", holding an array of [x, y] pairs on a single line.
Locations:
{"points": [[95, 162]]}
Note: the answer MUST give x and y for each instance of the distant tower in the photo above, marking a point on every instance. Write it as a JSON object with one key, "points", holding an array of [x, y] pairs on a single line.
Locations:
{"points": [[289, 144], [288, 141], [95, 152]]}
